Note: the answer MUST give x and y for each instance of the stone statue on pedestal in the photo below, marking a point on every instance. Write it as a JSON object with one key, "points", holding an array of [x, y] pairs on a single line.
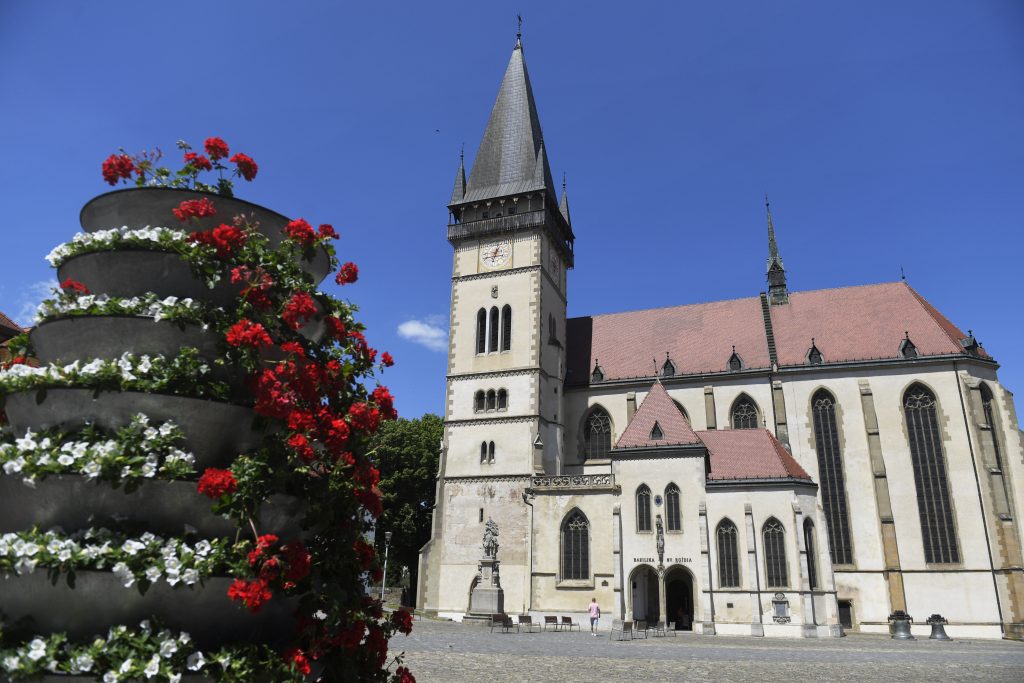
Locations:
{"points": [[487, 597]]}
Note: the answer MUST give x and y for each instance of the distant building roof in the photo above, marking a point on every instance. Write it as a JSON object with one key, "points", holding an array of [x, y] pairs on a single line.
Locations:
{"points": [[865, 322], [657, 410], [749, 454], [9, 328]]}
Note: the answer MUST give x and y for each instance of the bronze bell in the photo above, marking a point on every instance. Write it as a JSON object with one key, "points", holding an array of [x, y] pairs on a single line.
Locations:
{"points": [[900, 625], [938, 629]]}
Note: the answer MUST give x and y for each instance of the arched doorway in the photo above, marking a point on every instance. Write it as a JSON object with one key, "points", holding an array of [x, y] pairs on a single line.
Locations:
{"points": [[679, 598], [644, 603]]}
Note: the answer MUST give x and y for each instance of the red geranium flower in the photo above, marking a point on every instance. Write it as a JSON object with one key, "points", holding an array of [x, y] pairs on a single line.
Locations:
{"points": [[194, 208], [198, 161], [377, 644], [216, 148], [300, 444], [299, 230], [247, 333], [246, 166], [116, 167], [348, 274], [299, 309], [252, 594], [364, 552], [382, 396], [327, 230], [226, 239], [402, 621], [215, 483], [74, 286], [299, 560], [386, 359], [404, 675], [262, 544], [336, 328], [298, 659]]}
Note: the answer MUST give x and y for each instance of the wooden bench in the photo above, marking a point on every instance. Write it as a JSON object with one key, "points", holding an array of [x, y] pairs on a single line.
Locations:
{"points": [[552, 622], [526, 621], [623, 628], [504, 622], [567, 624]]}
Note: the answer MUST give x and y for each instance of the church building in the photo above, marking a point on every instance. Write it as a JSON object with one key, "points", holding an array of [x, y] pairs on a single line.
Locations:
{"points": [[786, 464]]}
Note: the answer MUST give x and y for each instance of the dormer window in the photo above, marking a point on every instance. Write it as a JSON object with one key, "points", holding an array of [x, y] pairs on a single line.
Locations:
{"points": [[907, 347], [814, 354], [669, 368], [656, 433], [598, 373], [970, 344], [735, 362]]}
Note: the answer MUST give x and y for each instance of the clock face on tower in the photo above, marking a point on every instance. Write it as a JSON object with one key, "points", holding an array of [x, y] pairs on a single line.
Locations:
{"points": [[495, 254]]}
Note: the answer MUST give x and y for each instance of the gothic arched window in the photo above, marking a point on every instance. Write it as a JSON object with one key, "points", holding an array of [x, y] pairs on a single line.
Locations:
{"points": [[478, 401], [990, 420], [682, 410], [492, 400], [506, 328], [483, 452], [656, 433], [933, 505], [672, 512], [492, 331], [575, 547], [502, 399], [776, 573], [728, 555], [643, 508], [490, 452], [597, 434], [812, 559], [744, 413], [832, 477], [481, 331]]}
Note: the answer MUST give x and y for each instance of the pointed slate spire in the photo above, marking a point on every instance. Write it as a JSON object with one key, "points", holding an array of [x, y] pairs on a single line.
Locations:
{"points": [[459, 191], [563, 204], [511, 158], [777, 292]]}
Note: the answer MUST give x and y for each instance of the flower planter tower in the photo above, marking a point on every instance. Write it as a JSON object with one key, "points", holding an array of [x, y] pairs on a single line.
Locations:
{"points": [[175, 368]]}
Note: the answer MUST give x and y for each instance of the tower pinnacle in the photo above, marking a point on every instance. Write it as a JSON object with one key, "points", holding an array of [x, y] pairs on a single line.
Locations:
{"points": [[777, 292]]}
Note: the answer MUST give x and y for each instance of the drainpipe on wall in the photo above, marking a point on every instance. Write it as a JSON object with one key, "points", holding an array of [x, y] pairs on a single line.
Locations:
{"points": [[981, 500], [528, 596]]}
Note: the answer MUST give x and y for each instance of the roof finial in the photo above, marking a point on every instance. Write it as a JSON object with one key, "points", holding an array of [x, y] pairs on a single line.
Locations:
{"points": [[563, 182], [903, 276], [462, 152], [519, 32]]}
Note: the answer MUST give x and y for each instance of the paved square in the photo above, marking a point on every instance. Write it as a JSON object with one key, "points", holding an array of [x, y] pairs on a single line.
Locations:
{"points": [[446, 651]]}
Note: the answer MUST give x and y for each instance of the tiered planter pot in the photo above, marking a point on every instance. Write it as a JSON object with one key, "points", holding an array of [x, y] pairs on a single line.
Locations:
{"points": [[214, 431]]}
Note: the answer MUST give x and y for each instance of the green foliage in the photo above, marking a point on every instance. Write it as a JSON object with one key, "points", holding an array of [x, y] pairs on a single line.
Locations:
{"points": [[406, 452]]}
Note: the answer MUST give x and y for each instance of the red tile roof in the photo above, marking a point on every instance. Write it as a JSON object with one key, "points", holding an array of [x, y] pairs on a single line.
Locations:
{"points": [[657, 408], [847, 324], [698, 338], [9, 326], [749, 454]]}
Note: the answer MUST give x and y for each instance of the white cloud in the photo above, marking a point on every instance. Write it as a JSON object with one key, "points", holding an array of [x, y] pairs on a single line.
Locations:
{"points": [[30, 297], [428, 333]]}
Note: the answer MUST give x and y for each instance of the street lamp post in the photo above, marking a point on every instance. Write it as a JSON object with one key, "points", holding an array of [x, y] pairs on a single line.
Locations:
{"points": [[387, 547]]}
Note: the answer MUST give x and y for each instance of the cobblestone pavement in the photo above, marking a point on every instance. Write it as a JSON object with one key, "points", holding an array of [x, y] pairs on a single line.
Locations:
{"points": [[446, 651]]}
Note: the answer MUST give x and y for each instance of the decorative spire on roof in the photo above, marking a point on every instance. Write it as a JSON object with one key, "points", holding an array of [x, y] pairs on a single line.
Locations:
{"points": [[777, 292], [459, 191], [563, 204], [510, 159]]}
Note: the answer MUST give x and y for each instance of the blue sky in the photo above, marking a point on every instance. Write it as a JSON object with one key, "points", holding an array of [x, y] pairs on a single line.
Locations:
{"points": [[887, 135]]}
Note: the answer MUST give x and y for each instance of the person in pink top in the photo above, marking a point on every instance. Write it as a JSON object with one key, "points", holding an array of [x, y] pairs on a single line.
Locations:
{"points": [[595, 614]]}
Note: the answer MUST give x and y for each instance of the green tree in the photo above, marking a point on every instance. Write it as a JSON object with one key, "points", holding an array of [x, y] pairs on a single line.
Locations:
{"points": [[406, 453]]}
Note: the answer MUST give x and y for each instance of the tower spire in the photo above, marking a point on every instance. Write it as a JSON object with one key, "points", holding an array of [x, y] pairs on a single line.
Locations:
{"points": [[777, 292], [519, 32], [459, 189], [563, 203]]}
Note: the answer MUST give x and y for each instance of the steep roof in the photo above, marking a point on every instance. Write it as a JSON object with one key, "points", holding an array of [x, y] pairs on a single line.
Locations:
{"points": [[847, 324], [511, 158], [749, 454], [9, 328], [658, 409]]}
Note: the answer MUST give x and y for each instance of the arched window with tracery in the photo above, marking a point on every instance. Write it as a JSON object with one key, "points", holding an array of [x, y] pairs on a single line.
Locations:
{"points": [[987, 401], [597, 434], [643, 508], [492, 331], [674, 517], [506, 327], [938, 531], [728, 555], [832, 477], [775, 570], [502, 399], [478, 401], [744, 413], [575, 547], [481, 331], [812, 558]]}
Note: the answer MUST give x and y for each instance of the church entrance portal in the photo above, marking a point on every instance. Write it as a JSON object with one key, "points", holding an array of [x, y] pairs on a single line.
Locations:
{"points": [[644, 605], [679, 598]]}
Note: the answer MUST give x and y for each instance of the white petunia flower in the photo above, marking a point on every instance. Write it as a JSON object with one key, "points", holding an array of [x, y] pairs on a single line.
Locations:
{"points": [[83, 663], [36, 649], [153, 668], [122, 572], [195, 661], [153, 574]]}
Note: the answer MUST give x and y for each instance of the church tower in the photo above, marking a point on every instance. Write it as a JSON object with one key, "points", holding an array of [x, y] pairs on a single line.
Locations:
{"points": [[513, 245]]}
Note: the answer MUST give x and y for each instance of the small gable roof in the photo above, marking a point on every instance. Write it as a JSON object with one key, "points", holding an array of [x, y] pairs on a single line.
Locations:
{"points": [[751, 454], [659, 409], [9, 328]]}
